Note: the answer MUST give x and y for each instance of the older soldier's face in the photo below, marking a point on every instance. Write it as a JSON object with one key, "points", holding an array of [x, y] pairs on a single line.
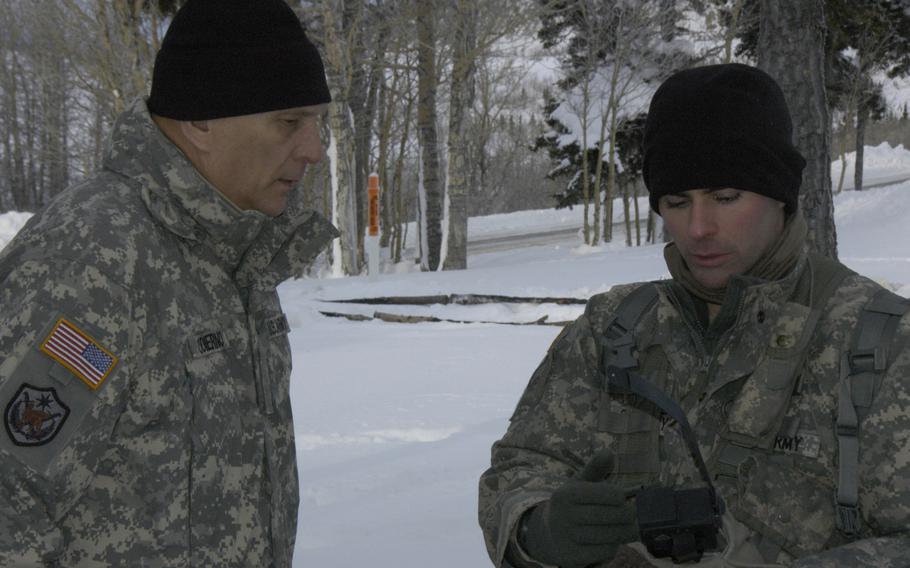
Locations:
{"points": [[721, 232], [256, 160]]}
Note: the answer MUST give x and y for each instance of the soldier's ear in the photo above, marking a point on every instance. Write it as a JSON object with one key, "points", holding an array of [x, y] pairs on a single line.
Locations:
{"points": [[198, 132]]}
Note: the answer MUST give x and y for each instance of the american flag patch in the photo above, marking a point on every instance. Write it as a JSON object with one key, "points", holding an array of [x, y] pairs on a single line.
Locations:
{"points": [[79, 353]]}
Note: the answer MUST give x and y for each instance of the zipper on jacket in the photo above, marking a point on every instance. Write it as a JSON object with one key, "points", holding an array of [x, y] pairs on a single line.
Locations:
{"points": [[260, 371], [718, 347], [259, 363], [696, 333]]}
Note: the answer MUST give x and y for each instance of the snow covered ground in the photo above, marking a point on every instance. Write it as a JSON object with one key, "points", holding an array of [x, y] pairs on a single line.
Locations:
{"points": [[394, 422]]}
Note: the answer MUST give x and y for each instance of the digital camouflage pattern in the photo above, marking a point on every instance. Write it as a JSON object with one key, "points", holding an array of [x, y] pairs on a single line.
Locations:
{"points": [[762, 399], [184, 456]]}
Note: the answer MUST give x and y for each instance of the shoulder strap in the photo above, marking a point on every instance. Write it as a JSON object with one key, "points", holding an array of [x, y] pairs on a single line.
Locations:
{"points": [[862, 369], [619, 345], [827, 275]]}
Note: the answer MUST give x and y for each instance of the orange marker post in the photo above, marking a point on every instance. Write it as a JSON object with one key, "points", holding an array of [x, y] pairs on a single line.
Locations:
{"points": [[373, 193], [372, 240]]}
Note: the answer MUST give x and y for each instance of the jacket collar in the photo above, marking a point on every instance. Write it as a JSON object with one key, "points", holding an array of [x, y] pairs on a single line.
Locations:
{"points": [[255, 248], [794, 286]]}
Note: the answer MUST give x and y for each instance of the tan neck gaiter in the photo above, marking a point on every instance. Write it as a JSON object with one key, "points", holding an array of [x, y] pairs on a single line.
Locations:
{"points": [[774, 264]]}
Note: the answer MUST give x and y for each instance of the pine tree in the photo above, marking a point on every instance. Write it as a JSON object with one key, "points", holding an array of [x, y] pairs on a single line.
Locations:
{"points": [[614, 54]]}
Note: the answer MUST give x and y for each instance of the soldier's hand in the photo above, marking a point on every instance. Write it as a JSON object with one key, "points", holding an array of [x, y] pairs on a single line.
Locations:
{"points": [[584, 522]]}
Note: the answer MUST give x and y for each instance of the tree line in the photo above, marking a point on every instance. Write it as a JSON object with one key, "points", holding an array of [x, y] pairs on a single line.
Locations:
{"points": [[461, 107]]}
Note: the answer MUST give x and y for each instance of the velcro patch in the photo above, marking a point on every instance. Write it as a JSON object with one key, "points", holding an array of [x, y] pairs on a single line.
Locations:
{"points": [[803, 443], [207, 343], [78, 352], [277, 326], [34, 415]]}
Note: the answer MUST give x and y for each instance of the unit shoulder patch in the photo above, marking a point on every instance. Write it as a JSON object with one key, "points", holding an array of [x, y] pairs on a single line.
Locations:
{"points": [[34, 415], [78, 352]]}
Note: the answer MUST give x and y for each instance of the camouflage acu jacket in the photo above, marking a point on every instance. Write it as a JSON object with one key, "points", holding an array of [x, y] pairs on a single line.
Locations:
{"points": [[762, 399], [144, 370]]}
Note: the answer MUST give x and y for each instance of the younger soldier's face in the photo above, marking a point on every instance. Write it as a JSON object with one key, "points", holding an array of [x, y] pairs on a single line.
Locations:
{"points": [[256, 160], [721, 232]]}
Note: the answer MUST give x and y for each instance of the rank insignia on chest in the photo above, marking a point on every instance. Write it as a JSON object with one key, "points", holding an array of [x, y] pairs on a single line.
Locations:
{"points": [[78, 352], [34, 415]]}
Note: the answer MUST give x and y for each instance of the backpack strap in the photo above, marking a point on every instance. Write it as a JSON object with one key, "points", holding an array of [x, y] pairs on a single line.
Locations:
{"points": [[635, 454], [862, 369], [620, 347]]}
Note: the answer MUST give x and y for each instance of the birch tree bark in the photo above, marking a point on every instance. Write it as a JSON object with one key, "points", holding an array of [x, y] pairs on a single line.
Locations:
{"points": [[791, 48], [462, 89], [338, 75], [427, 133]]}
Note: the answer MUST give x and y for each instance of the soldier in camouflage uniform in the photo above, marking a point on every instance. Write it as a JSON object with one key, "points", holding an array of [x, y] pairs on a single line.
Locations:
{"points": [[144, 355], [756, 341]]}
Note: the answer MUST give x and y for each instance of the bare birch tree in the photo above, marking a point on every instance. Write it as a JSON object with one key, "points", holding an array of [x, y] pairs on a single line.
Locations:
{"points": [[339, 69], [431, 184], [460, 105]]}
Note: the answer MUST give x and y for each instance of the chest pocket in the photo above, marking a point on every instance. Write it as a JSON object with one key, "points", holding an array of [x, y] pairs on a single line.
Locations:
{"points": [[782, 500], [218, 369], [777, 494], [758, 411], [633, 423], [274, 362]]}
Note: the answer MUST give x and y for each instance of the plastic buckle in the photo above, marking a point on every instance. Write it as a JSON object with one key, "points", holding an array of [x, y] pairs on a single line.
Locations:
{"points": [[867, 360], [618, 379], [849, 521], [851, 430], [623, 351]]}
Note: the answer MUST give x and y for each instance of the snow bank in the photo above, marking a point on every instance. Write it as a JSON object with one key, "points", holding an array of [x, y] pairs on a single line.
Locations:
{"points": [[882, 163], [10, 223]]}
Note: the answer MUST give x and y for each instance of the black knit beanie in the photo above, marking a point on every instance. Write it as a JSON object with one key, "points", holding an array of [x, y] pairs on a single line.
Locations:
{"points": [[233, 57], [721, 126]]}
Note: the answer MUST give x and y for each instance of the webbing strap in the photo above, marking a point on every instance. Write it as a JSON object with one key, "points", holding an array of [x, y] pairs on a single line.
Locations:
{"points": [[860, 367], [618, 342], [625, 381], [849, 520]]}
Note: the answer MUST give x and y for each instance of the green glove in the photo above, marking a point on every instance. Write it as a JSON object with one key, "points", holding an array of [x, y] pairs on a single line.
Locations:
{"points": [[584, 522]]}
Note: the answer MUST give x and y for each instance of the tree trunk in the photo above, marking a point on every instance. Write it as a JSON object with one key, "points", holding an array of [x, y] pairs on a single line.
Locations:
{"points": [[862, 118], [341, 152], [626, 212], [842, 153], [462, 91], [611, 165], [735, 13], [399, 218], [57, 127], [385, 106], [651, 235], [364, 78], [18, 183], [344, 212], [427, 133], [791, 48]]}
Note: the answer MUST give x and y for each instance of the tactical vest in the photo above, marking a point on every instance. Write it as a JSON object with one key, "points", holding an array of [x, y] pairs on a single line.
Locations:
{"points": [[861, 371]]}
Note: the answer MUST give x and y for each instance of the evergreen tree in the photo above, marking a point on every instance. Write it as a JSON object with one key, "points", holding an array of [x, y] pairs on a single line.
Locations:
{"points": [[566, 157], [614, 53], [864, 38]]}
